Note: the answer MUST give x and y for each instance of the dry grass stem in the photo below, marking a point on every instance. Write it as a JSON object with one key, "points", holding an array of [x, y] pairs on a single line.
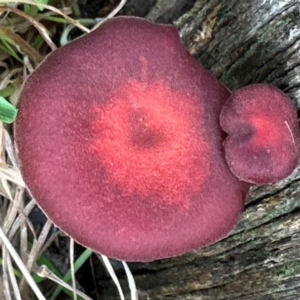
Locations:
{"points": [[48, 242], [43, 271], [112, 274], [131, 282], [49, 7], [22, 217], [24, 46], [12, 277], [1, 289], [11, 174], [112, 14], [72, 268], [41, 28], [6, 287], [36, 249], [7, 75], [21, 266], [9, 148], [12, 213]]}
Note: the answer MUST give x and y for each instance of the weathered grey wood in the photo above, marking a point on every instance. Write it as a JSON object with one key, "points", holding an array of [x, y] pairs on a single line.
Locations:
{"points": [[241, 42]]}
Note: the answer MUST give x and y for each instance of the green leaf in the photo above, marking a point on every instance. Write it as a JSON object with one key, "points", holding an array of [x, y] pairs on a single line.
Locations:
{"points": [[8, 112], [41, 8], [31, 10]]}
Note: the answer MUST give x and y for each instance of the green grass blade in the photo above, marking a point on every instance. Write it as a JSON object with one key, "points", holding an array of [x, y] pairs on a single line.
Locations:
{"points": [[8, 112], [77, 265]]}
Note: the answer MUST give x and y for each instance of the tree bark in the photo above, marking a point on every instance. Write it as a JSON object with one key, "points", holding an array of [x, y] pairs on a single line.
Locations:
{"points": [[241, 42]]}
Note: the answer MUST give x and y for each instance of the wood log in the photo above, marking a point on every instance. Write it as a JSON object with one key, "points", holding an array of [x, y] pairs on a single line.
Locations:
{"points": [[241, 42]]}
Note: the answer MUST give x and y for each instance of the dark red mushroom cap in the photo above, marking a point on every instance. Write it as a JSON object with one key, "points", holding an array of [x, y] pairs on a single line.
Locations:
{"points": [[119, 141], [263, 138]]}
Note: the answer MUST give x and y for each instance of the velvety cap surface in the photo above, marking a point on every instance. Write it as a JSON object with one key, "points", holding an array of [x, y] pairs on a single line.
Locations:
{"points": [[119, 141], [263, 138]]}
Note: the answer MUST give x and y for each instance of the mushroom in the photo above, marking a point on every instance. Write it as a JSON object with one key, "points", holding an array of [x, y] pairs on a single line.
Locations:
{"points": [[262, 143], [118, 139]]}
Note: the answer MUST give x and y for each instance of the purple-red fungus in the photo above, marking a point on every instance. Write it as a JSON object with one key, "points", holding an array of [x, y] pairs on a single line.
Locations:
{"points": [[263, 143], [119, 140]]}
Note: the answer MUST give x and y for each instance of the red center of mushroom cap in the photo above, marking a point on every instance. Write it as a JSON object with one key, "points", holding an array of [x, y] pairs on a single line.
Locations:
{"points": [[263, 138], [158, 149], [124, 151], [267, 133]]}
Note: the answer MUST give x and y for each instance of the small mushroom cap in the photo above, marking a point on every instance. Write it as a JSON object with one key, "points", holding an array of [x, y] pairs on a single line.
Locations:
{"points": [[263, 138], [119, 141]]}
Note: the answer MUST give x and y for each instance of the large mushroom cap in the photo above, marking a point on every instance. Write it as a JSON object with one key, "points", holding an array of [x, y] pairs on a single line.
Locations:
{"points": [[263, 137], [118, 140]]}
